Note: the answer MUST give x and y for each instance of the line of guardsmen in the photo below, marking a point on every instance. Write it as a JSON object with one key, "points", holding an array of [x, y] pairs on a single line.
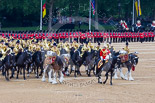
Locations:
{"points": [[109, 36]]}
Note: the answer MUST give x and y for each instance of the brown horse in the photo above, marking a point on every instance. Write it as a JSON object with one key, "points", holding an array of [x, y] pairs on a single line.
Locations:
{"points": [[55, 64]]}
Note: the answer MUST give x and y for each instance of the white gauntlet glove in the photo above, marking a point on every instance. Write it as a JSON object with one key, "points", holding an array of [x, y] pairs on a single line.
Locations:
{"points": [[101, 58], [110, 55], [107, 57]]}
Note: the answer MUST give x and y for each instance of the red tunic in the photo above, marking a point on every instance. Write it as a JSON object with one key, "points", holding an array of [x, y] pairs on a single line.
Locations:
{"points": [[92, 36], [88, 35], [141, 35], [152, 35], [67, 35], [104, 54], [95, 35], [70, 35], [105, 35], [110, 35]]}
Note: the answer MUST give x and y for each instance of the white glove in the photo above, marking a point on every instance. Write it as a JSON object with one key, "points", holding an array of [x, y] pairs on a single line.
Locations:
{"points": [[110, 55], [107, 57], [101, 58]]}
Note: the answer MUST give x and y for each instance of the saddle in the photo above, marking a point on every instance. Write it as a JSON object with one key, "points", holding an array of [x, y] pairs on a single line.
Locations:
{"points": [[100, 63]]}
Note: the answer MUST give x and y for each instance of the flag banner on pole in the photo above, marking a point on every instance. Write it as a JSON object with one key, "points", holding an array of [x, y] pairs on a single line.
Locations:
{"points": [[93, 6], [138, 8], [44, 8]]}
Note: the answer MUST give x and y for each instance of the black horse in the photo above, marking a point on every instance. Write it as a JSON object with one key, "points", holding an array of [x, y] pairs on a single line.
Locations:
{"points": [[21, 62], [38, 62], [63, 51], [13, 64], [29, 63], [7, 65], [77, 61]]}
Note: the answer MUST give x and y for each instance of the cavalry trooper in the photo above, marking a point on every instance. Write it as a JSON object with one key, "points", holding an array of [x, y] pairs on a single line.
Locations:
{"points": [[6, 50], [2, 50], [67, 46], [18, 48], [75, 44], [152, 28], [11, 45], [55, 49], [24, 44], [45, 46], [109, 46], [85, 48], [104, 54], [98, 48], [49, 43], [126, 48], [90, 45], [2, 43], [28, 42], [40, 43], [60, 45], [32, 46], [38, 47], [138, 26]]}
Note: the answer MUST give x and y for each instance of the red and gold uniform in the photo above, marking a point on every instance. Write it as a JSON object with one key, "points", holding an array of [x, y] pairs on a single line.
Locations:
{"points": [[104, 52]]}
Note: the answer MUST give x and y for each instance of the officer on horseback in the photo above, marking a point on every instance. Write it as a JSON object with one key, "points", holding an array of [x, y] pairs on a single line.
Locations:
{"points": [[98, 48], [85, 48], [104, 54], [17, 47], [55, 49], [126, 48], [75, 44]]}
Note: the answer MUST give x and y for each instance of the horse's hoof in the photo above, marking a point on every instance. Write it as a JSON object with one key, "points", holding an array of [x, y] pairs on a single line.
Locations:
{"points": [[89, 75], [16, 77], [54, 82], [50, 81], [40, 74], [126, 78], [100, 82], [7, 79], [37, 77], [24, 78], [110, 83], [131, 79], [61, 79], [115, 77], [104, 82], [43, 79]]}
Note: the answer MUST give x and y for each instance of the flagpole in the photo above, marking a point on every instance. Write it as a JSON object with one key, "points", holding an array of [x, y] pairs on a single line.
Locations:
{"points": [[90, 16], [133, 15], [41, 17]]}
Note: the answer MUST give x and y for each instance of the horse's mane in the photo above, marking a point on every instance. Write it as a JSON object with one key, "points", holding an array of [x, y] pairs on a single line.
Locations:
{"points": [[37, 56], [1, 55], [116, 53]]}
